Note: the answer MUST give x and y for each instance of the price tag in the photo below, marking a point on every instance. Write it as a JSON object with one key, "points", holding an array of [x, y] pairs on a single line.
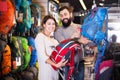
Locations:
{"points": [[32, 20], [18, 61]]}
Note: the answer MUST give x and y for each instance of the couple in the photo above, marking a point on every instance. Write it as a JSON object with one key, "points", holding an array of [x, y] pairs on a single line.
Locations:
{"points": [[44, 42]]}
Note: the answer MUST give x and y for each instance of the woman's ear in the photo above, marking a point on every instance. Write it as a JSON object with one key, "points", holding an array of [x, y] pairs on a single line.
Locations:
{"points": [[43, 26]]}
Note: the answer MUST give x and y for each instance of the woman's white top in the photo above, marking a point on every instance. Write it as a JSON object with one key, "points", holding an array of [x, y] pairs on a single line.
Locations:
{"points": [[44, 46]]}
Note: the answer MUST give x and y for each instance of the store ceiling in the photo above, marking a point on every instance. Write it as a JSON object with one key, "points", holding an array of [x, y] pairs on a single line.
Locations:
{"points": [[77, 6]]}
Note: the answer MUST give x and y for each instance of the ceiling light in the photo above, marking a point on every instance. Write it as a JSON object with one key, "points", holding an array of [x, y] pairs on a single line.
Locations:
{"points": [[83, 4], [101, 4]]}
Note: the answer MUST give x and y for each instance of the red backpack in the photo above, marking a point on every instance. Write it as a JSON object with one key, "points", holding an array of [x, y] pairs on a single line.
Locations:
{"points": [[66, 49], [7, 16]]}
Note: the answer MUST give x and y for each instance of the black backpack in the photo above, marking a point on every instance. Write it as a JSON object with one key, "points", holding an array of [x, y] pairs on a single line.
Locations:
{"points": [[36, 16]]}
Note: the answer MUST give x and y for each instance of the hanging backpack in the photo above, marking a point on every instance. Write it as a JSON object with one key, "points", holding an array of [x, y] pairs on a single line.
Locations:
{"points": [[7, 16], [67, 50], [29, 74], [24, 16], [93, 27], [36, 16], [7, 77], [105, 70], [20, 53], [31, 44], [5, 64], [2, 46]]}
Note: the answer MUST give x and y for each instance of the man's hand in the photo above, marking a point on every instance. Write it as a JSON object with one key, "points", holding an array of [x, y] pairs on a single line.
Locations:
{"points": [[61, 63]]}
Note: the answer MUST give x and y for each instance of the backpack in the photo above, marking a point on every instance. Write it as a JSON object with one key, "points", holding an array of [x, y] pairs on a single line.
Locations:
{"points": [[2, 46], [105, 70], [93, 27], [29, 74], [7, 16], [31, 43], [18, 3], [7, 77], [66, 49], [24, 15], [36, 16], [20, 53], [6, 61]]}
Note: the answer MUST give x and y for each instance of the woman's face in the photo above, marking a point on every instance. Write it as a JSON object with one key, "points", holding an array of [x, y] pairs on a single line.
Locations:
{"points": [[49, 26]]}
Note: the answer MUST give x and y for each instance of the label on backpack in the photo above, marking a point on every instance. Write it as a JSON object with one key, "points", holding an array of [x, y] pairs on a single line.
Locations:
{"points": [[16, 14], [18, 61], [3, 5], [32, 20], [38, 22]]}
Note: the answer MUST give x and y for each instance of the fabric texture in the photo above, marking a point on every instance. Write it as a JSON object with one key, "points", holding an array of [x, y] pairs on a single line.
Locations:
{"points": [[65, 33], [44, 46]]}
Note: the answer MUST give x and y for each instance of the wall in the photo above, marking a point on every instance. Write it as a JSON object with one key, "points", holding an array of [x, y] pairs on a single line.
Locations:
{"points": [[43, 6]]}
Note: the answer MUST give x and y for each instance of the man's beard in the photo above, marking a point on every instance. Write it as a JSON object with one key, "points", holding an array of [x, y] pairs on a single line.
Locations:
{"points": [[66, 22]]}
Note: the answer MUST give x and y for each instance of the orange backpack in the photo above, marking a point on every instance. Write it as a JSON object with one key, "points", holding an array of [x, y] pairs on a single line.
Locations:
{"points": [[7, 16], [6, 61]]}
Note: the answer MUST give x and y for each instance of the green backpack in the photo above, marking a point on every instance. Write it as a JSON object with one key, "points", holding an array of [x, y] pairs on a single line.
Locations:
{"points": [[20, 53], [24, 21]]}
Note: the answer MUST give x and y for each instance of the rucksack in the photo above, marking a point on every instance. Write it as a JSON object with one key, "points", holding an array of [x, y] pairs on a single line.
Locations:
{"points": [[105, 70], [5, 64], [93, 27], [18, 3], [7, 16], [33, 59], [8, 77], [36, 16], [2, 47], [30, 73], [20, 53], [24, 13], [66, 50]]}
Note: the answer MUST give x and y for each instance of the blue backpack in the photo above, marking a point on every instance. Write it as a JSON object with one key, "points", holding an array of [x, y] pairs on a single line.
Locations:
{"points": [[23, 7], [94, 30], [31, 43], [92, 27]]}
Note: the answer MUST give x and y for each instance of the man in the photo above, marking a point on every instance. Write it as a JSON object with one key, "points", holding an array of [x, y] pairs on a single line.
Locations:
{"points": [[70, 30]]}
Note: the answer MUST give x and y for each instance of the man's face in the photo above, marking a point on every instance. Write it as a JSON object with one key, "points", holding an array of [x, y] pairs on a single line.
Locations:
{"points": [[65, 14], [65, 17]]}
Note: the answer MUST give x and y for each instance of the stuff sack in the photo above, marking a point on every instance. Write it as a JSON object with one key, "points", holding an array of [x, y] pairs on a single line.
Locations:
{"points": [[7, 16], [36, 16], [33, 59], [66, 50], [5, 64], [93, 27], [20, 53]]}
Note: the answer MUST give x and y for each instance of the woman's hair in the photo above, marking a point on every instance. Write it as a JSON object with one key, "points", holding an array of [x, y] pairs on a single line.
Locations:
{"points": [[47, 17]]}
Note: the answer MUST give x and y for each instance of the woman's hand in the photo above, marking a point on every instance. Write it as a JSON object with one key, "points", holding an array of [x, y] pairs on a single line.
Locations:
{"points": [[61, 63]]}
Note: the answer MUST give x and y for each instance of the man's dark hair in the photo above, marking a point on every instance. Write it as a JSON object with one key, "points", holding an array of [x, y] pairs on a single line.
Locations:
{"points": [[70, 9]]}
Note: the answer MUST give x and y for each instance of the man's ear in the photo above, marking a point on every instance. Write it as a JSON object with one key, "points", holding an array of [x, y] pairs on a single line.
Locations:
{"points": [[71, 14]]}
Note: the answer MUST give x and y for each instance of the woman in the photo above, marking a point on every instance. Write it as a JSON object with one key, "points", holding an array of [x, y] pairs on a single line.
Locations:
{"points": [[44, 44]]}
